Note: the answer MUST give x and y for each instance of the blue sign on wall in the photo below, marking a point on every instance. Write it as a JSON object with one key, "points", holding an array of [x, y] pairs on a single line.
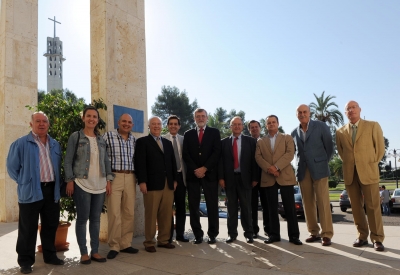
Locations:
{"points": [[137, 116]]}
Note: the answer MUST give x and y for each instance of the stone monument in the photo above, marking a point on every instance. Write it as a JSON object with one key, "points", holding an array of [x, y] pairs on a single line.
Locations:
{"points": [[118, 65], [55, 61]]}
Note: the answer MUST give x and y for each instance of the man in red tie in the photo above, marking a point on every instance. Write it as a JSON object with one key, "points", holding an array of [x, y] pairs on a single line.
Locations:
{"points": [[201, 151], [238, 173]]}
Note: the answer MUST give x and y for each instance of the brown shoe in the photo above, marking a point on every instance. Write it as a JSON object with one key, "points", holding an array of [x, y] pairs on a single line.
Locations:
{"points": [[378, 246], [167, 245], [326, 241], [150, 249], [312, 239], [360, 243]]}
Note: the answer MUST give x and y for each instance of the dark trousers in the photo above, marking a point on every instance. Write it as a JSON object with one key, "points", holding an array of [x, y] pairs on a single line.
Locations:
{"points": [[49, 212], [287, 195], [210, 190], [259, 191], [237, 193], [180, 208]]}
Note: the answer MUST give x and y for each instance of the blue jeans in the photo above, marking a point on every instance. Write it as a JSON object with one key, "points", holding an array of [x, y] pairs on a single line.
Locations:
{"points": [[88, 207], [386, 208]]}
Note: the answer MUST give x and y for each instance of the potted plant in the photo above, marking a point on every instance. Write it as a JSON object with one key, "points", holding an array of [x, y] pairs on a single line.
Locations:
{"points": [[64, 110]]}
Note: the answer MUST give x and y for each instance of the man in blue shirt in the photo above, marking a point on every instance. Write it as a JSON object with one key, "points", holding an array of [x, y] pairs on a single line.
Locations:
{"points": [[34, 162]]}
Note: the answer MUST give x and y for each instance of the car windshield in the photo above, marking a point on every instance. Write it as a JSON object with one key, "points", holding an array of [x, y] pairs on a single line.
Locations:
{"points": [[296, 189], [396, 193], [297, 197]]}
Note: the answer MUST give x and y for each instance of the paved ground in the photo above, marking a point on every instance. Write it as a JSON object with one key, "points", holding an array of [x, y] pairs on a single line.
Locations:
{"points": [[237, 258]]}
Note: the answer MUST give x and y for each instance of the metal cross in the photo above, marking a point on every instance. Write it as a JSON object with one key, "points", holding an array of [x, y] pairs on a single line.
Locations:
{"points": [[54, 25]]}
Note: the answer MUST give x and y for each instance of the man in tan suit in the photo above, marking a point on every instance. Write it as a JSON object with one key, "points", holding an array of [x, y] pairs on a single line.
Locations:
{"points": [[361, 146], [274, 152]]}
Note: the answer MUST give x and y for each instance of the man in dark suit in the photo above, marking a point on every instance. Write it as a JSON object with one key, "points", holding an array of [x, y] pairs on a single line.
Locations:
{"points": [[258, 192], [238, 173], [201, 151], [274, 153], [174, 124], [314, 149], [156, 173]]}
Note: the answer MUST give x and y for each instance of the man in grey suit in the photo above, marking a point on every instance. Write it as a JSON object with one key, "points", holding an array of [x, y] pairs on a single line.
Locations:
{"points": [[314, 149], [174, 124], [237, 174]]}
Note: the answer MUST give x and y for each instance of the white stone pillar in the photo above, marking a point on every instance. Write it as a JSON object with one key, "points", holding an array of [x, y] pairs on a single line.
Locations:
{"points": [[18, 87], [118, 66]]}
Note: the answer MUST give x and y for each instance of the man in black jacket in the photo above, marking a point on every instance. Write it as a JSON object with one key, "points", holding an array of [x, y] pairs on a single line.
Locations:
{"points": [[238, 173], [156, 173], [201, 151]]}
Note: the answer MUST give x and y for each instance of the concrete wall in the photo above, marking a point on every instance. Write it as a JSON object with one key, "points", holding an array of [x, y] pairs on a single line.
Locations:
{"points": [[118, 65], [18, 87]]}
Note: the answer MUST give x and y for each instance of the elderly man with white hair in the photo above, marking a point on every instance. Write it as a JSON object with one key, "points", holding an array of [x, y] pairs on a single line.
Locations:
{"points": [[156, 173]]}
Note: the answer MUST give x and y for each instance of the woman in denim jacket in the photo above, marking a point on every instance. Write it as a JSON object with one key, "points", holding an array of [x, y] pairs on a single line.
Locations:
{"points": [[89, 178]]}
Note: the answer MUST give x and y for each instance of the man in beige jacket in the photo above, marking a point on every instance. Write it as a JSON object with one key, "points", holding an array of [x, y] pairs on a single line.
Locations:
{"points": [[274, 152], [361, 146]]}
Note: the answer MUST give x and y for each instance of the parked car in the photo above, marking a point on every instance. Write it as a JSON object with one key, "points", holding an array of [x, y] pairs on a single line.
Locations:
{"points": [[396, 199], [298, 203], [344, 201], [203, 211]]}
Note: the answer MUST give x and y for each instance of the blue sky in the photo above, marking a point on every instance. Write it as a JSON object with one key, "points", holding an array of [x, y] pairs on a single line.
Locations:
{"points": [[262, 57]]}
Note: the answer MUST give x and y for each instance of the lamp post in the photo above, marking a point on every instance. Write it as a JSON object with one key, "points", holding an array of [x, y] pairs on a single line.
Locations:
{"points": [[395, 153]]}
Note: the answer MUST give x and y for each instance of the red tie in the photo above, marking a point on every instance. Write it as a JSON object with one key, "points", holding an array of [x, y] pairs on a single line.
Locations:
{"points": [[201, 135], [235, 154]]}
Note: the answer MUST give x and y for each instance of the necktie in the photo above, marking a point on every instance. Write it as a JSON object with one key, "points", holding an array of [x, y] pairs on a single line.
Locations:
{"points": [[159, 143], [201, 135], [235, 154], [353, 136], [178, 160]]}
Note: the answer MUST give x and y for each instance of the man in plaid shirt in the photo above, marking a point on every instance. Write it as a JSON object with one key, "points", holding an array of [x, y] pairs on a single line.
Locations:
{"points": [[121, 202]]}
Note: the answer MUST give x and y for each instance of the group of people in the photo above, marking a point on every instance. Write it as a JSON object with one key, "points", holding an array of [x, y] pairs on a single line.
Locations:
{"points": [[166, 167]]}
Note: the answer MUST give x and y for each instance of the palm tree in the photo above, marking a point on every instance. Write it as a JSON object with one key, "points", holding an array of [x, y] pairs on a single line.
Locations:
{"points": [[336, 166], [321, 110]]}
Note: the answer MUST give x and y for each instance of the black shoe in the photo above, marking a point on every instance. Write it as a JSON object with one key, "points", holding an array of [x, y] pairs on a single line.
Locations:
{"points": [[378, 246], [130, 250], [55, 261], [112, 254], [25, 269], [211, 240], [255, 236], [88, 261], [230, 239], [198, 240], [295, 241], [182, 239], [99, 260], [250, 240], [360, 243], [272, 239]]}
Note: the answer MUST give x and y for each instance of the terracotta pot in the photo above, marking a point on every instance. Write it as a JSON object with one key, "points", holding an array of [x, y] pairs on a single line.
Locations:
{"points": [[61, 237]]}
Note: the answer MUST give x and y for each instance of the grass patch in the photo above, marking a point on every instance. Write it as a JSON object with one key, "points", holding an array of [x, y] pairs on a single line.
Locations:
{"points": [[339, 187], [334, 196]]}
